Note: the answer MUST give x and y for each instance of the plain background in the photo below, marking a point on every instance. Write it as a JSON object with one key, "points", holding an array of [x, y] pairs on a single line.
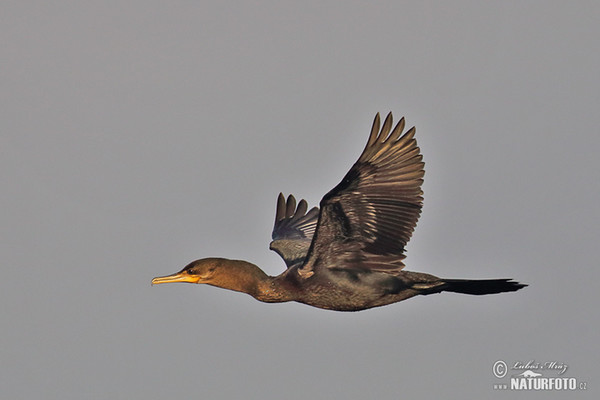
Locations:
{"points": [[139, 136]]}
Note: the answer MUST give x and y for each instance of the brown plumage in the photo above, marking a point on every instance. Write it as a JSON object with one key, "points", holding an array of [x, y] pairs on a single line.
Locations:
{"points": [[347, 255]]}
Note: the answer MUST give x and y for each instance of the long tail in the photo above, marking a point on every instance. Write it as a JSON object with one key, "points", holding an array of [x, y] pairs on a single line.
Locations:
{"points": [[478, 287]]}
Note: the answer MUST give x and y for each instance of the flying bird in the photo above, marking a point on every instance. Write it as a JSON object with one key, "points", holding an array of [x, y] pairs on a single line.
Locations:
{"points": [[348, 254]]}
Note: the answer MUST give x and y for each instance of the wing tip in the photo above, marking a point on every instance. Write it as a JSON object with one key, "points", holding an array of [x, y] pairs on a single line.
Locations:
{"points": [[384, 140]]}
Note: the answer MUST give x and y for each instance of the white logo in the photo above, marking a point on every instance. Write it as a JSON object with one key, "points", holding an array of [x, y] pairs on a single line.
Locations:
{"points": [[531, 379]]}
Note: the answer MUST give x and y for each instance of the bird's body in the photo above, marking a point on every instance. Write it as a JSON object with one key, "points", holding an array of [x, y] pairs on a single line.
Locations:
{"points": [[347, 255], [343, 290]]}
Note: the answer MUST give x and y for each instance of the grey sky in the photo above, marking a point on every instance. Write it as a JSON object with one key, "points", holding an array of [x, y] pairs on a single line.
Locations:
{"points": [[139, 136]]}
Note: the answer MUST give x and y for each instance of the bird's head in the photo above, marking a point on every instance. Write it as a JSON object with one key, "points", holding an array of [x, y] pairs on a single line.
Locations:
{"points": [[199, 271], [221, 272]]}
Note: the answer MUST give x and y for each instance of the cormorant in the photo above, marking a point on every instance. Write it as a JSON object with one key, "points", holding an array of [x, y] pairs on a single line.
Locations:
{"points": [[348, 254]]}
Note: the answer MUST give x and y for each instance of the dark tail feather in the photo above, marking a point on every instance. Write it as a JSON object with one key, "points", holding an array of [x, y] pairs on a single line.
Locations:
{"points": [[479, 287]]}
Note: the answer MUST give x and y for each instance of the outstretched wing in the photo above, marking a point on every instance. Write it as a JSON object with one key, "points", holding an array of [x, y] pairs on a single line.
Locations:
{"points": [[368, 218], [294, 229]]}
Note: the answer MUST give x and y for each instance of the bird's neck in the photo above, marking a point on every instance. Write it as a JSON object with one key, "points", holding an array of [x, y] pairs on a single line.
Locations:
{"points": [[248, 278]]}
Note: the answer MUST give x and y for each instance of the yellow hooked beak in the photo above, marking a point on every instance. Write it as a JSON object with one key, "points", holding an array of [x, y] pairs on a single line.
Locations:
{"points": [[178, 277]]}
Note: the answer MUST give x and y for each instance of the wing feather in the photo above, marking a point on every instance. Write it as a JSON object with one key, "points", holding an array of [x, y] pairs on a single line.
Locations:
{"points": [[293, 230], [366, 221]]}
